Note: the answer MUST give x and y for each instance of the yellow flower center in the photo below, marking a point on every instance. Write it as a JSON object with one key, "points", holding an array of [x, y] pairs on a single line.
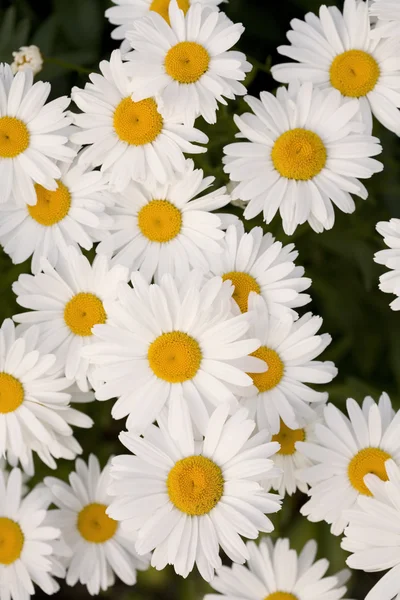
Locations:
{"points": [[137, 123], [160, 221], [82, 312], [270, 378], [195, 485], [354, 73], [299, 154], [287, 438], [161, 7], [11, 393], [95, 525], [11, 541], [174, 357], [243, 284], [51, 207], [187, 62], [367, 460], [14, 137], [281, 596]]}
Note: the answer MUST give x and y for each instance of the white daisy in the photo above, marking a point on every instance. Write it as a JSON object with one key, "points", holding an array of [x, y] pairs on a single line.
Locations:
{"points": [[27, 57], [289, 459], [34, 405], [337, 51], [347, 449], [390, 282], [130, 140], [373, 533], [254, 262], [166, 228], [73, 214], [174, 345], [305, 150], [66, 302], [30, 140], [127, 11], [387, 14], [100, 548], [187, 498], [276, 572], [188, 65], [289, 348], [28, 548]]}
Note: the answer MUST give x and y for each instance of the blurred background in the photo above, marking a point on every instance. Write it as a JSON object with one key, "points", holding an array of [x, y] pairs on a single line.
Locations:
{"points": [[73, 36]]}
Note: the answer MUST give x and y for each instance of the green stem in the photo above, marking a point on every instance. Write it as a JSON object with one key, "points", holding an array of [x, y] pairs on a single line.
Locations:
{"points": [[259, 65], [67, 65]]}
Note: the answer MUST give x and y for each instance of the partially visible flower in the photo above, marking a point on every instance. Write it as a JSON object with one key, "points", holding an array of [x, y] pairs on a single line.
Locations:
{"points": [[125, 13], [66, 303], [27, 57], [276, 572], [188, 497], [337, 50], [30, 549], [390, 282], [99, 547], [189, 66], [301, 152], [346, 450], [372, 534]]}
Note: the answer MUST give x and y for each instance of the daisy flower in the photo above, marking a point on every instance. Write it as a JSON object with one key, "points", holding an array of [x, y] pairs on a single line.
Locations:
{"points": [[186, 499], [100, 548], [289, 348], [387, 14], [66, 303], [27, 57], [72, 214], [130, 140], [337, 51], [170, 344], [127, 11], [305, 151], [187, 65], [28, 549], [34, 404], [160, 229], [347, 449], [30, 140], [390, 282], [288, 458], [276, 572], [254, 262], [373, 533]]}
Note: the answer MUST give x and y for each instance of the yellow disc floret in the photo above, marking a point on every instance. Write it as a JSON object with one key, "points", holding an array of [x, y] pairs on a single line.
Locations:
{"points": [[11, 541], [195, 485], [95, 525], [299, 154], [281, 596], [367, 460], [14, 137], [243, 284], [187, 62], [160, 221], [51, 207], [137, 123], [354, 73], [175, 357], [270, 378], [11, 393], [84, 311], [287, 438], [162, 6]]}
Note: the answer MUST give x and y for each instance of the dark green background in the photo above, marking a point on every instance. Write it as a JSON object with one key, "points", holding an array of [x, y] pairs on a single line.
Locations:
{"points": [[73, 35]]}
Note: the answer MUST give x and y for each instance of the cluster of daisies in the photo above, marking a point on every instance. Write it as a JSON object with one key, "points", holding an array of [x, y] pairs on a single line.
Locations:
{"points": [[187, 321]]}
